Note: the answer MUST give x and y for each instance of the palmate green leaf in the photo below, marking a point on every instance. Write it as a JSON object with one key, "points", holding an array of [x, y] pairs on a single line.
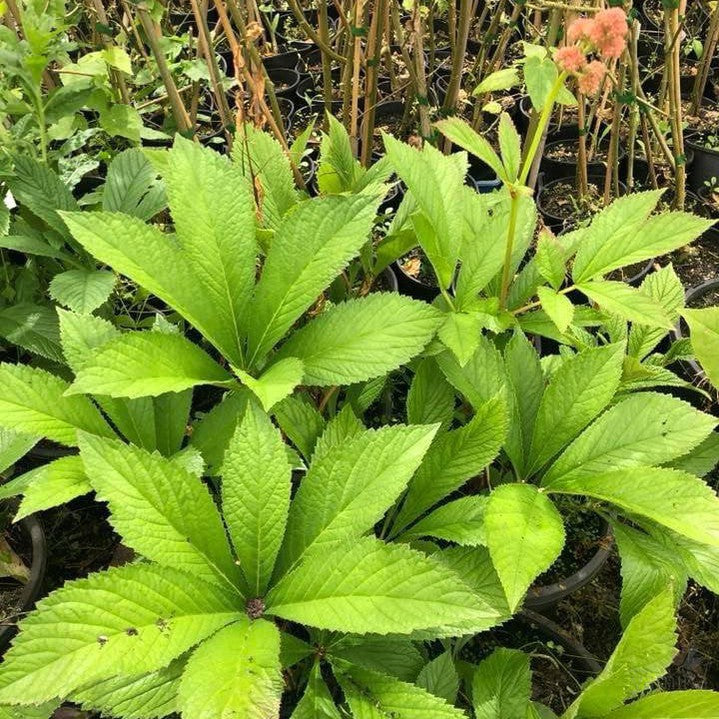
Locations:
{"points": [[33, 401], [501, 685], [644, 652], [525, 385], [648, 566], [146, 363], [559, 307], [674, 499], [385, 697], [540, 74], [525, 534], [454, 457], [367, 586], [32, 327], [460, 521], [577, 392], [349, 486], [439, 677], [665, 287], [276, 383], [126, 621], [260, 156], [704, 328], [362, 338], [35, 186], [430, 398], [131, 186], [434, 181], [310, 248], [213, 209], [460, 332], [157, 262], [82, 291], [396, 656], [642, 430], [316, 702], [690, 704], [53, 484], [627, 302], [162, 510], [256, 486], [462, 134], [622, 235], [144, 696], [234, 674]]}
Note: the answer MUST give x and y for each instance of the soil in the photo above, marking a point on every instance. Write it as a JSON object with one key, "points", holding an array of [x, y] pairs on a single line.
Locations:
{"points": [[585, 531], [697, 262], [560, 200], [11, 590], [418, 267], [568, 151], [624, 274], [705, 122]]}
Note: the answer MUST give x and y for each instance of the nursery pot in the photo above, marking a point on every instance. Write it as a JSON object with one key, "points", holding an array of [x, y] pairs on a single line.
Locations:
{"points": [[712, 234], [482, 177], [549, 595], [554, 166], [555, 131], [286, 81], [288, 60], [412, 287], [705, 164], [35, 536]]}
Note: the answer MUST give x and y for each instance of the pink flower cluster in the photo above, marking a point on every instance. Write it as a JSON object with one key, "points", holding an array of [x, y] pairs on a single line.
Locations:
{"points": [[604, 34]]}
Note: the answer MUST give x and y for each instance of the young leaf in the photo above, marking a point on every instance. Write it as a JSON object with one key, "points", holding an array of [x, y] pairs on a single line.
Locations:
{"points": [[525, 534], [460, 333], [82, 291], [648, 566], [675, 499], [439, 677], [131, 186], [510, 146], [350, 486], [578, 391], [362, 338], [504, 79], [316, 702], [300, 421], [501, 685], [455, 457], [525, 384], [550, 258], [642, 430], [559, 307], [256, 484], [33, 401], [146, 363], [704, 328], [462, 134], [390, 697], [146, 696], [689, 704], [274, 384], [159, 264], [53, 484], [434, 182], [310, 248], [115, 619], [213, 209], [430, 398], [367, 586], [460, 521], [161, 509], [644, 652], [540, 74], [236, 672], [627, 302]]}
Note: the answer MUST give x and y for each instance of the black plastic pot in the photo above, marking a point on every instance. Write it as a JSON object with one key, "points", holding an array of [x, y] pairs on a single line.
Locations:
{"points": [[288, 60], [411, 287], [549, 595], [287, 77], [712, 234], [555, 131], [287, 110], [32, 528], [560, 224], [557, 167], [573, 648], [482, 177], [705, 164]]}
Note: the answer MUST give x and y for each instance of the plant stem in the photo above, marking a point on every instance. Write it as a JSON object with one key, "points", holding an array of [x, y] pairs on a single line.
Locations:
{"points": [[374, 49], [710, 47], [509, 250]]}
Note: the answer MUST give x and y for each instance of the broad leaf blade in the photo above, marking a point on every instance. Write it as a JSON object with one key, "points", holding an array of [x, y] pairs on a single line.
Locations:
{"points": [[501, 685]]}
